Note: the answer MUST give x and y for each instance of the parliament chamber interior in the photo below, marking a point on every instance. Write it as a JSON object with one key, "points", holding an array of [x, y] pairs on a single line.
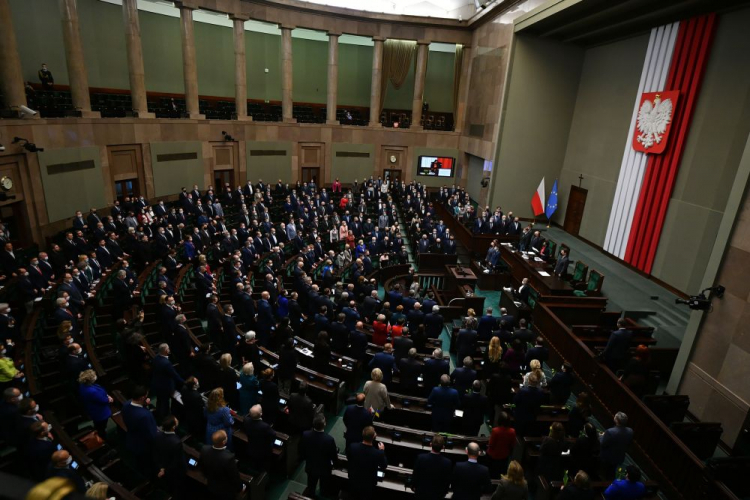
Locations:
{"points": [[338, 249]]}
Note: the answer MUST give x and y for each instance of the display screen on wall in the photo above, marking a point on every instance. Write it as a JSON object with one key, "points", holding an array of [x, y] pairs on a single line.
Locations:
{"points": [[436, 166]]}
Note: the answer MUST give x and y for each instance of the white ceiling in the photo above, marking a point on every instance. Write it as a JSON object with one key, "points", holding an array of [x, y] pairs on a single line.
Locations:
{"points": [[448, 9], [167, 8]]}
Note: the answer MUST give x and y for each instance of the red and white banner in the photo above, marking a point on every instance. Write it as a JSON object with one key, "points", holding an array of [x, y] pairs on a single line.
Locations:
{"points": [[537, 201], [653, 77], [655, 113]]}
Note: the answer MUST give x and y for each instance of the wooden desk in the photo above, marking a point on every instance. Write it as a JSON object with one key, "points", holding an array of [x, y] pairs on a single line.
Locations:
{"points": [[460, 276], [476, 244], [521, 268]]}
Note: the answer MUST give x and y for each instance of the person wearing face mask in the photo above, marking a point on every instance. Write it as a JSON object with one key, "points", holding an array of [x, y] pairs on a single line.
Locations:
{"points": [[76, 298], [27, 291], [28, 413], [96, 401], [39, 450], [9, 375], [60, 467], [164, 381], [8, 330], [9, 412], [75, 363]]}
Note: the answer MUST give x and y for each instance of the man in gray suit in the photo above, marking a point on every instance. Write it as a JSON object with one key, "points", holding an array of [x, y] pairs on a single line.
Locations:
{"points": [[615, 442]]}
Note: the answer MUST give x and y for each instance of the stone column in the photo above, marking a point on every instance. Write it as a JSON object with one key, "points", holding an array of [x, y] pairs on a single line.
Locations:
{"points": [[463, 90], [240, 67], [189, 66], [333, 77], [135, 59], [419, 77], [11, 75], [287, 101], [78, 79], [377, 72]]}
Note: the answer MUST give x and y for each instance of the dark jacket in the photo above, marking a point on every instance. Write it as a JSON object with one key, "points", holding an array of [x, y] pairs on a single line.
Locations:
{"points": [[318, 449], [222, 475], [356, 418], [169, 455], [470, 480], [260, 437], [364, 462], [432, 476], [141, 427]]}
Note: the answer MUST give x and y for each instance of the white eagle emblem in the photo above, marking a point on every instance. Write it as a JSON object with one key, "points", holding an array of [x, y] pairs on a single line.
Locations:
{"points": [[653, 119]]}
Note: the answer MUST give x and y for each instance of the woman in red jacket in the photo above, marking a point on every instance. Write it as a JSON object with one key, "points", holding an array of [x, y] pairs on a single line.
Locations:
{"points": [[500, 447], [380, 330]]}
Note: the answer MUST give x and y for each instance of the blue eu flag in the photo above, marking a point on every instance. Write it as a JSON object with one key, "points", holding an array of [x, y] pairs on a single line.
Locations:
{"points": [[552, 201]]}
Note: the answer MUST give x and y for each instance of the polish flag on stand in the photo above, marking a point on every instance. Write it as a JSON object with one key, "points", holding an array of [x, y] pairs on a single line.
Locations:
{"points": [[537, 201]]}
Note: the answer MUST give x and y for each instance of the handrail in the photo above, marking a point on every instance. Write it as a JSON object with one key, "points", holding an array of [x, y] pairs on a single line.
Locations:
{"points": [[680, 471]]}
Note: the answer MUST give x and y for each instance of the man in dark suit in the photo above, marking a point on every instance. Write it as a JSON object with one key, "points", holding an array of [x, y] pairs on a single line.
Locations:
{"points": [[466, 343], [433, 323], [260, 438], [220, 468], [358, 342], [618, 345], [409, 369], [614, 445], [444, 400], [474, 406], [487, 324], [528, 401], [164, 380], [538, 352], [301, 409], [193, 404], [402, 344], [169, 457], [463, 376], [470, 480], [339, 334], [122, 293], [523, 334], [434, 368], [432, 472], [141, 427], [60, 467], [386, 362], [356, 418], [318, 449], [365, 460], [560, 385], [508, 318], [371, 306], [38, 452], [561, 267], [265, 319]]}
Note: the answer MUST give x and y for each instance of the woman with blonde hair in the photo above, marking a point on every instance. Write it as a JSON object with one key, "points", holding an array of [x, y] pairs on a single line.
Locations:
{"points": [[248, 388], [578, 489], [512, 485], [228, 380], [98, 491], [536, 367], [376, 393], [493, 359], [218, 416], [95, 400], [470, 321]]}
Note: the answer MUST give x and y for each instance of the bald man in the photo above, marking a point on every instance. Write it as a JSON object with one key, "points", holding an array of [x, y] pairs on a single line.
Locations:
{"points": [[470, 479], [220, 468], [60, 466]]}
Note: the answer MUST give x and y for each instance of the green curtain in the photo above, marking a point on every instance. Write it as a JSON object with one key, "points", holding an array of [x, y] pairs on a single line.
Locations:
{"points": [[397, 58]]}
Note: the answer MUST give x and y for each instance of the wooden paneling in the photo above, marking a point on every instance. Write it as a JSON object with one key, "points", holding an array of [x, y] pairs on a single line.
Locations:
{"points": [[393, 158], [312, 155], [225, 157]]}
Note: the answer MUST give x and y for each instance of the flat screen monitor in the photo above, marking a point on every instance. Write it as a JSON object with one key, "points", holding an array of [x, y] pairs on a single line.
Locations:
{"points": [[436, 166]]}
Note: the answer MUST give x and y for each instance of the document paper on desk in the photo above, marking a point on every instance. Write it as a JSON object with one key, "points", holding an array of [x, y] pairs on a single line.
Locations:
{"points": [[544, 273]]}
